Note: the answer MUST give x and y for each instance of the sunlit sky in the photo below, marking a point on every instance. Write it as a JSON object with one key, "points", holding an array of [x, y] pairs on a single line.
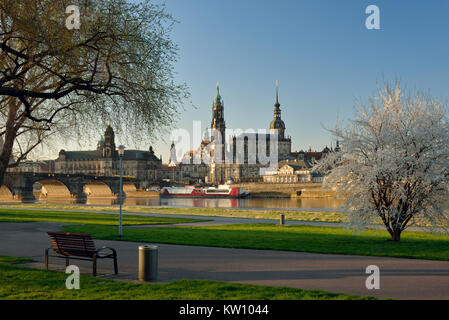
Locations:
{"points": [[319, 50]]}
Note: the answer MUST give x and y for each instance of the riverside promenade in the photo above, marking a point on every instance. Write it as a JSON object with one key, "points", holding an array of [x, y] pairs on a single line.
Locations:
{"points": [[399, 278]]}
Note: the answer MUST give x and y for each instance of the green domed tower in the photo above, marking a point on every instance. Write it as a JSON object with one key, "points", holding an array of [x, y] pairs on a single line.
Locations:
{"points": [[218, 122]]}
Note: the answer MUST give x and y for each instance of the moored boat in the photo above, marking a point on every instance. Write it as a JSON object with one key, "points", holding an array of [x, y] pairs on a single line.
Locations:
{"points": [[224, 191]]}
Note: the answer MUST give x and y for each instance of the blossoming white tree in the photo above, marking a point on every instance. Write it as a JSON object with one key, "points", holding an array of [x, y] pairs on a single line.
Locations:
{"points": [[393, 162]]}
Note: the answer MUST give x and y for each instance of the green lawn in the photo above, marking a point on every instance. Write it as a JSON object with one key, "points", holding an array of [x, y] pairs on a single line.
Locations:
{"points": [[22, 283], [419, 245], [310, 216], [17, 215], [335, 217]]}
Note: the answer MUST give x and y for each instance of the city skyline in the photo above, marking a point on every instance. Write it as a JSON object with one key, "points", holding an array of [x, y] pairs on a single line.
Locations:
{"points": [[321, 53], [223, 155]]}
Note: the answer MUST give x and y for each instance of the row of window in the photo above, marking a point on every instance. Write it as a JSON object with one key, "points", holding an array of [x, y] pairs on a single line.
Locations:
{"points": [[93, 171], [292, 179], [288, 179]]}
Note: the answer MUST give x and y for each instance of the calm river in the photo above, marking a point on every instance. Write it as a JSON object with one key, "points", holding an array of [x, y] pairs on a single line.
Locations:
{"points": [[318, 204]]}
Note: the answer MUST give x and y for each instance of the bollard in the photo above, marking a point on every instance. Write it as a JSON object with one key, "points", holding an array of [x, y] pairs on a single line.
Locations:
{"points": [[282, 219], [148, 256]]}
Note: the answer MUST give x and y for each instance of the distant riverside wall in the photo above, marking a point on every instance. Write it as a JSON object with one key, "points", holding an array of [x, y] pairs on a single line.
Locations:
{"points": [[302, 190], [142, 194]]}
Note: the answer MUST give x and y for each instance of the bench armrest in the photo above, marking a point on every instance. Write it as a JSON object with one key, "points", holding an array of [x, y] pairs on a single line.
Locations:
{"points": [[104, 248], [49, 249]]}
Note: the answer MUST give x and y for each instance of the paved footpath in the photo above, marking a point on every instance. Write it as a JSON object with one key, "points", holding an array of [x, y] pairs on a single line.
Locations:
{"points": [[400, 278]]}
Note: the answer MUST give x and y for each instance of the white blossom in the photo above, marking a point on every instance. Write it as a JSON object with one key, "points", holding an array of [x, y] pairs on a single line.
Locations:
{"points": [[393, 166]]}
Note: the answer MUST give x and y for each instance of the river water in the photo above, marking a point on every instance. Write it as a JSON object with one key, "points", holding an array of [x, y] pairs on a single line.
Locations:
{"points": [[314, 204]]}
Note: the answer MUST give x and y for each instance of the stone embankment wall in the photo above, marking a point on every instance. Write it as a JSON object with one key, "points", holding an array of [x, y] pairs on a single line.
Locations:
{"points": [[302, 190], [142, 194]]}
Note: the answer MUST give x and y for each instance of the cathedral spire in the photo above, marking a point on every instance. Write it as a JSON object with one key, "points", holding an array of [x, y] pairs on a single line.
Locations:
{"points": [[277, 93], [218, 97], [277, 124], [218, 122], [277, 106]]}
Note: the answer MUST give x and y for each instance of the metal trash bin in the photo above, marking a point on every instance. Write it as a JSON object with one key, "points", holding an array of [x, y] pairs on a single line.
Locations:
{"points": [[148, 256], [282, 220]]}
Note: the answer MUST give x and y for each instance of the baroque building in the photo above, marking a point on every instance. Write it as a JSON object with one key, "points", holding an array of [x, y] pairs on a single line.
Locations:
{"points": [[190, 170], [104, 161], [293, 171], [243, 162], [236, 158]]}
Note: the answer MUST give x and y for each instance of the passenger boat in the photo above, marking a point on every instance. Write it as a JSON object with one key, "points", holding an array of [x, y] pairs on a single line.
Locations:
{"points": [[224, 191]]}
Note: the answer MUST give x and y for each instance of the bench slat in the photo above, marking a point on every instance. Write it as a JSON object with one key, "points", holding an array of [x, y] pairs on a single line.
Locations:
{"points": [[72, 244]]}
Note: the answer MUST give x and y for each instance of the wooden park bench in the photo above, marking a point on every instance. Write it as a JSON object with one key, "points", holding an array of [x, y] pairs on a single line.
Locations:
{"points": [[78, 247]]}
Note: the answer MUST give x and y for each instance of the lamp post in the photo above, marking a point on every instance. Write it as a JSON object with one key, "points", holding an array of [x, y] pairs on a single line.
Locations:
{"points": [[121, 152]]}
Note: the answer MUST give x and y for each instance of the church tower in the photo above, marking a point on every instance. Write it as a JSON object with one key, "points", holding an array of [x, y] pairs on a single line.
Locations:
{"points": [[108, 145], [277, 123], [218, 127], [172, 161], [218, 122]]}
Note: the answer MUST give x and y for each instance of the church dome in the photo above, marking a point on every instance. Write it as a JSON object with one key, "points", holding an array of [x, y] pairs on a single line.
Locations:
{"points": [[277, 124]]}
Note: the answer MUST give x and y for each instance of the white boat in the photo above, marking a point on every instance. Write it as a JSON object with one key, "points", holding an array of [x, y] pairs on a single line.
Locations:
{"points": [[190, 191]]}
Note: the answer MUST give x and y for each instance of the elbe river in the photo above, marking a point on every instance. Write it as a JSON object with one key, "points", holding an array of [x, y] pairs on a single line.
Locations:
{"points": [[315, 204]]}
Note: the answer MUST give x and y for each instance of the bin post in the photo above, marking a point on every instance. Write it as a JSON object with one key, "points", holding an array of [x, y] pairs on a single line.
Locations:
{"points": [[282, 220], [148, 263]]}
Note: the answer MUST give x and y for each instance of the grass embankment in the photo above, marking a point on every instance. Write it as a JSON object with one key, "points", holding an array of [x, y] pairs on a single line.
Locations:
{"points": [[17, 215], [335, 217], [419, 245], [269, 214], [23, 283]]}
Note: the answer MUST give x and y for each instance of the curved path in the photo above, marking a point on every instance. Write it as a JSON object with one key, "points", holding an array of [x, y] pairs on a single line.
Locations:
{"points": [[400, 278]]}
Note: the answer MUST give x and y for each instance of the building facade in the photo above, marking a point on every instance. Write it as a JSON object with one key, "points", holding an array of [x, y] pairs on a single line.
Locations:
{"points": [[189, 170], [295, 171], [104, 161], [244, 163], [238, 160]]}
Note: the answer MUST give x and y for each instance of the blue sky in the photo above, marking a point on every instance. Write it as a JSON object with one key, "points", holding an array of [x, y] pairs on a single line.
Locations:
{"points": [[319, 50]]}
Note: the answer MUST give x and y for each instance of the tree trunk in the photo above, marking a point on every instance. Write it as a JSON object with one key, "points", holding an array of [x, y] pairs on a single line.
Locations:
{"points": [[8, 144], [396, 236]]}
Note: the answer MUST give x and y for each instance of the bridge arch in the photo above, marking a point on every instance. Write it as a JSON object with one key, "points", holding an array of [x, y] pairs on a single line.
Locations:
{"points": [[129, 187], [62, 185], [50, 188], [6, 194], [98, 189]]}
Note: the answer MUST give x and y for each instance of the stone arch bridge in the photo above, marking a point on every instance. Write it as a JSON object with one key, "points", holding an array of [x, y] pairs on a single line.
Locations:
{"points": [[20, 185]]}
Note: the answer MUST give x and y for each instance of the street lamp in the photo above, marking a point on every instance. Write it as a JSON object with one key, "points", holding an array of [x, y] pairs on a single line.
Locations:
{"points": [[121, 152]]}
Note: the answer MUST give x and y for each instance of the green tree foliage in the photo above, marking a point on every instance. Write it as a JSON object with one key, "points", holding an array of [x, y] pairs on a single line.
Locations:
{"points": [[118, 67]]}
